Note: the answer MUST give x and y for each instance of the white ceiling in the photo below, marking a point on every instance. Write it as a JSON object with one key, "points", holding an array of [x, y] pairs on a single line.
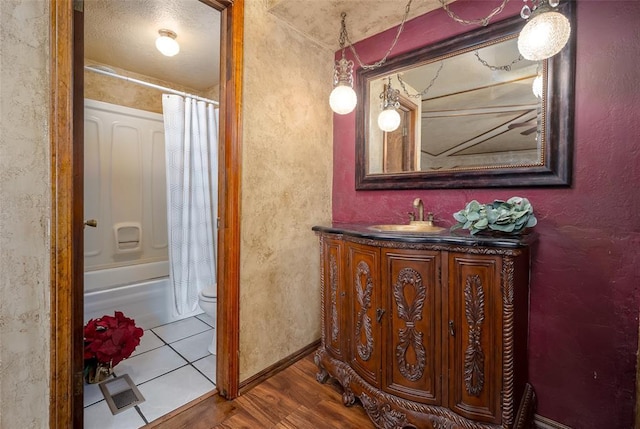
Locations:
{"points": [[122, 33], [320, 19]]}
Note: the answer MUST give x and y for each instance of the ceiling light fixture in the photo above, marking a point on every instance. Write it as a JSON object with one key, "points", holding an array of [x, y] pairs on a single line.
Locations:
{"points": [[166, 43], [343, 98], [389, 119], [546, 32]]}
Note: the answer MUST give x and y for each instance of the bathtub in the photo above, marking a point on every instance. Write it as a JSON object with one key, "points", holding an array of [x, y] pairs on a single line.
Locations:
{"points": [[142, 292]]}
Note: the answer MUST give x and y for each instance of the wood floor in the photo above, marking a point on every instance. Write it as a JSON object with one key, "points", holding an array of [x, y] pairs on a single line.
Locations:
{"points": [[291, 399]]}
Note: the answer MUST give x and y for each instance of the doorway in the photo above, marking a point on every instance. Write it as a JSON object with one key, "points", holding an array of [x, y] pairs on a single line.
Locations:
{"points": [[67, 202]]}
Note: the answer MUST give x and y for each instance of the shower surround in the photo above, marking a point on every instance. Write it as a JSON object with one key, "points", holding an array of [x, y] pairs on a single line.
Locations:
{"points": [[126, 255]]}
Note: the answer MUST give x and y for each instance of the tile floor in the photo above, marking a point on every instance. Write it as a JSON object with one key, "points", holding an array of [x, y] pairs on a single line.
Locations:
{"points": [[170, 367]]}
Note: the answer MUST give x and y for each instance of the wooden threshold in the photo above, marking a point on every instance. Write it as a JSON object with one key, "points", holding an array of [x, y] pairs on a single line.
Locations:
{"points": [[290, 399], [207, 397], [213, 399]]}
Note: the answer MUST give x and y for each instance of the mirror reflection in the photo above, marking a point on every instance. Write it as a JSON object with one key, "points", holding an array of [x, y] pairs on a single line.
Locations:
{"points": [[475, 108], [468, 114]]}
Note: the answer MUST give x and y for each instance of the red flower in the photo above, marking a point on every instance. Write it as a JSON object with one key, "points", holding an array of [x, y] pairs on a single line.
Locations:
{"points": [[111, 339]]}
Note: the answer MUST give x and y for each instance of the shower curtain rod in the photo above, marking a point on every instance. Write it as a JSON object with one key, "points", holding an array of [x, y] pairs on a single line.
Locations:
{"points": [[150, 85]]}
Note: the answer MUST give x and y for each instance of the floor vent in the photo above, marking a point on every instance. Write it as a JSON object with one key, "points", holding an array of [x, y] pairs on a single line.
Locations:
{"points": [[121, 393]]}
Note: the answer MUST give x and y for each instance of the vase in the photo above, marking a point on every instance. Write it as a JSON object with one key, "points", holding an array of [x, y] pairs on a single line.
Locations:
{"points": [[97, 372]]}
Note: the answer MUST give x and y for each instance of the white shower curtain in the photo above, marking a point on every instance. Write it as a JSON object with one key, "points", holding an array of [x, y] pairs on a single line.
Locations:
{"points": [[191, 149]]}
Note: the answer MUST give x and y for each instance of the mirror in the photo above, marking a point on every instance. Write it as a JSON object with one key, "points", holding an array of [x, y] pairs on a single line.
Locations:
{"points": [[469, 115]]}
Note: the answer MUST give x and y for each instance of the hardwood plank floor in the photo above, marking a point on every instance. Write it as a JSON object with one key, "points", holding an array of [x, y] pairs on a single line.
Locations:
{"points": [[291, 399]]}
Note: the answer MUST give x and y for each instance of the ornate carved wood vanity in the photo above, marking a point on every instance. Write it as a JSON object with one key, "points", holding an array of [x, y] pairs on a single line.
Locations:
{"points": [[427, 331]]}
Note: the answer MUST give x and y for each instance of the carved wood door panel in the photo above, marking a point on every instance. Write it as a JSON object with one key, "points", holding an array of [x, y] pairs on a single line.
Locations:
{"points": [[412, 360], [363, 282], [475, 336], [334, 297]]}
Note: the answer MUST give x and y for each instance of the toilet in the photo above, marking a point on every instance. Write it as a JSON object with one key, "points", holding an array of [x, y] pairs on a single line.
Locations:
{"points": [[208, 302]]}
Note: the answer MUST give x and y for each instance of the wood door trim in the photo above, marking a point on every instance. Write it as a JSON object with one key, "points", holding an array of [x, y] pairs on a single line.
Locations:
{"points": [[61, 390], [228, 314], [65, 337]]}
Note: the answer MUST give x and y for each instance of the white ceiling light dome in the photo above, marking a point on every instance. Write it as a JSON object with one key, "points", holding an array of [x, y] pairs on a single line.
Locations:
{"points": [[167, 44]]}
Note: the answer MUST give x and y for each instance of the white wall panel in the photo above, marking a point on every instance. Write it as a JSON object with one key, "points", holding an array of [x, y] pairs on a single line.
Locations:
{"points": [[93, 242], [124, 183], [158, 193]]}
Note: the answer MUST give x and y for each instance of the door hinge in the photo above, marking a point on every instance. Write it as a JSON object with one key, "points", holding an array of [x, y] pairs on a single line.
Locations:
{"points": [[78, 382], [78, 5]]}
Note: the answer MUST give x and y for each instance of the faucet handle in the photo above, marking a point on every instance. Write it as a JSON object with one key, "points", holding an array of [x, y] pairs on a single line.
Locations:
{"points": [[412, 216], [430, 217]]}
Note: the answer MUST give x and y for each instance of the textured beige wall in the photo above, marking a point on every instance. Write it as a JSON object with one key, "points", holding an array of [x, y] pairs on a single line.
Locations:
{"points": [[117, 91], [286, 188], [24, 214]]}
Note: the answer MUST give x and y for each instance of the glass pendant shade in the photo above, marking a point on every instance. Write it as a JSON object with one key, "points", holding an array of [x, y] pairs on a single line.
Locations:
{"points": [[343, 99], [389, 120], [167, 44], [537, 86], [544, 35]]}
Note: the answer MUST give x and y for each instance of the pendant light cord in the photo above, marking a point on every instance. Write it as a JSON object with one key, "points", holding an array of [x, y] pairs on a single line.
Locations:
{"points": [[344, 37], [424, 92], [482, 21], [491, 67]]}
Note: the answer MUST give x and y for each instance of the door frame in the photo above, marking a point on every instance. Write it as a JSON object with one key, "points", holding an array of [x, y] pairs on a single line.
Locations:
{"points": [[66, 224]]}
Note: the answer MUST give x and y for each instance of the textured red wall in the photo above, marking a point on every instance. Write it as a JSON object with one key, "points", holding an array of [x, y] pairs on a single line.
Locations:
{"points": [[586, 269]]}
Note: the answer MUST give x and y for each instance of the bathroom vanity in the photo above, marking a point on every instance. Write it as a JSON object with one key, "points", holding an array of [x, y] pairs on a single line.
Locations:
{"points": [[427, 330]]}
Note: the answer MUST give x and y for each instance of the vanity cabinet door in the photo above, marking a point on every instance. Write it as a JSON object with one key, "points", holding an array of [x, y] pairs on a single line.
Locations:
{"points": [[363, 284], [412, 361], [334, 298], [475, 336]]}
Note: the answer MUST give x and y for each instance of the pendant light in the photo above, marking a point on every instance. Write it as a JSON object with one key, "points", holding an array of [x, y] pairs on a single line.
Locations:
{"points": [[343, 98], [546, 32]]}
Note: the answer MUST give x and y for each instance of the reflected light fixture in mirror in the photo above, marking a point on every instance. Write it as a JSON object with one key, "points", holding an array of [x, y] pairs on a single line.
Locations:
{"points": [[480, 125], [166, 43], [546, 32], [389, 119], [537, 86]]}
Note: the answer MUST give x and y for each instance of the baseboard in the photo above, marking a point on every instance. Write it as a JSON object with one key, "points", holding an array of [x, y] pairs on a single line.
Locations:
{"points": [[541, 422], [276, 367]]}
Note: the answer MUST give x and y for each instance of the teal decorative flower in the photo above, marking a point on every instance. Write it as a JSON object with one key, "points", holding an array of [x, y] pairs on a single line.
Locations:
{"points": [[511, 216]]}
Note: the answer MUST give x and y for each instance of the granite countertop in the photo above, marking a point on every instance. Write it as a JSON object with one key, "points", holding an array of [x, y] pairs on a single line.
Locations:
{"points": [[459, 237]]}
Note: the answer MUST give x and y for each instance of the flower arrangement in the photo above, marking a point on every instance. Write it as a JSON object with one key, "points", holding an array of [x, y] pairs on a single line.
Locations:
{"points": [[110, 339], [511, 216]]}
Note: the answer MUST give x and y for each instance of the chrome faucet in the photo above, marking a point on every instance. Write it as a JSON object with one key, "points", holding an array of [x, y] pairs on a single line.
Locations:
{"points": [[417, 203]]}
